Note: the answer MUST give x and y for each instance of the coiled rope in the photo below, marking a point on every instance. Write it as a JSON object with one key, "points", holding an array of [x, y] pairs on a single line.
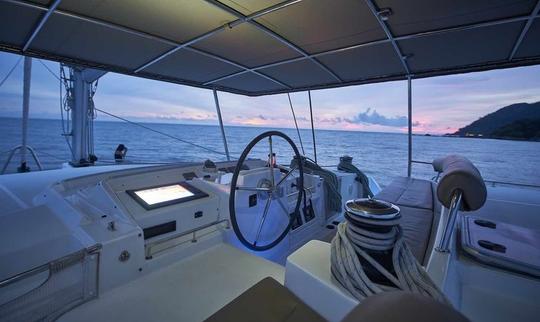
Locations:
{"points": [[353, 243], [346, 165], [330, 182]]}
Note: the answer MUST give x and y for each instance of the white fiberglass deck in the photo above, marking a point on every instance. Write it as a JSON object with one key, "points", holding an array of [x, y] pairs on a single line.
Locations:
{"points": [[189, 290]]}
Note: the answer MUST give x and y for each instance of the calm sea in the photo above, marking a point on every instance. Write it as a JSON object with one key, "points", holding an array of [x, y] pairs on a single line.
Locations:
{"points": [[382, 155]]}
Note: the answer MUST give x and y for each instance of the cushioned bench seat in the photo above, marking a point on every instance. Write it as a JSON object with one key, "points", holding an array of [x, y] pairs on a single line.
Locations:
{"points": [[266, 301], [409, 192], [415, 200], [417, 226]]}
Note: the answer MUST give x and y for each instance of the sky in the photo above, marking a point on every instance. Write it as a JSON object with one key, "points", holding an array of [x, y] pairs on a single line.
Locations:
{"points": [[440, 104]]}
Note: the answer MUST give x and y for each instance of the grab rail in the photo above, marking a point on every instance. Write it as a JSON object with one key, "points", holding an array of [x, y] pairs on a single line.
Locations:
{"points": [[61, 262], [493, 182], [71, 280], [150, 245], [19, 147], [421, 162]]}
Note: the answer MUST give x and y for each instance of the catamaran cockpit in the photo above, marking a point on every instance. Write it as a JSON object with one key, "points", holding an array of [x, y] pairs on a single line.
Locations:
{"points": [[269, 235]]}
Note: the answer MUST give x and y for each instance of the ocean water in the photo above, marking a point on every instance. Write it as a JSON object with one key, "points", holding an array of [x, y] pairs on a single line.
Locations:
{"points": [[382, 155]]}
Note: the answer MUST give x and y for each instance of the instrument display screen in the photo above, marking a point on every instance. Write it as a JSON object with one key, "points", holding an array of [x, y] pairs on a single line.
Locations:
{"points": [[161, 196]]}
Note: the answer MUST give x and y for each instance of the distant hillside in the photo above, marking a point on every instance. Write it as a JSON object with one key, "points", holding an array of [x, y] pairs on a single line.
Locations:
{"points": [[516, 121], [522, 129]]}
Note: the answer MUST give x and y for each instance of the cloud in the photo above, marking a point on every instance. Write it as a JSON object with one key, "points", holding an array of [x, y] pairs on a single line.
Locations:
{"points": [[372, 117]]}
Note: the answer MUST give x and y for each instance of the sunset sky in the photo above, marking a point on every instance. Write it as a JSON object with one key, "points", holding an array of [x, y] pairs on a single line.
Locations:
{"points": [[440, 105]]}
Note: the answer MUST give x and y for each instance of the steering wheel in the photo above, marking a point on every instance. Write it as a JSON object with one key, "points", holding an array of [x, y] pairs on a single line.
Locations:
{"points": [[268, 189]]}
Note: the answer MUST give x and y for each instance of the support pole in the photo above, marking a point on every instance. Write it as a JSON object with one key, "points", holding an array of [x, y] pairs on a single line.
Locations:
{"points": [[312, 127], [296, 125], [220, 120], [409, 118], [81, 90], [26, 107], [455, 205]]}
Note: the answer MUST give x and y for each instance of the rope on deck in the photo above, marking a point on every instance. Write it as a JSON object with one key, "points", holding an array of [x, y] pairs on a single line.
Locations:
{"points": [[350, 252]]}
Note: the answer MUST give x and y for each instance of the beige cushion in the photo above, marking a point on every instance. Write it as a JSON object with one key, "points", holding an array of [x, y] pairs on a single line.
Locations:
{"points": [[415, 200], [403, 307], [416, 226], [266, 301], [460, 174], [408, 192]]}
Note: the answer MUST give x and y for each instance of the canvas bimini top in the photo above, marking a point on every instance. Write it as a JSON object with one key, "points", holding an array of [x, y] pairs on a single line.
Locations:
{"points": [[265, 47]]}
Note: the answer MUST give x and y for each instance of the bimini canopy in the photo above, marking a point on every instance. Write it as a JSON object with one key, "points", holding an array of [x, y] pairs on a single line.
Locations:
{"points": [[269, 46]]}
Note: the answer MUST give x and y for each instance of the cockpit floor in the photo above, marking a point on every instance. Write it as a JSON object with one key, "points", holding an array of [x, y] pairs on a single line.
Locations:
{"points": [[190, 290]]}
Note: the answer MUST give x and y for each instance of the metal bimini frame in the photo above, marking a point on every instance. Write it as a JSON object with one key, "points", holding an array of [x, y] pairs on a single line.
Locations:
{"points": [[380, 14]]}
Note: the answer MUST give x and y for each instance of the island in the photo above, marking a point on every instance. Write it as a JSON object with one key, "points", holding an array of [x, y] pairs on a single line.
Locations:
{"points": [[519, 121]]}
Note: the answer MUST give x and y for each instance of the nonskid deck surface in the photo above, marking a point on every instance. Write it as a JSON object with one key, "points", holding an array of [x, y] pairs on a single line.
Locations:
{"points": [[486, 293], [512, 204], [189, 290]]}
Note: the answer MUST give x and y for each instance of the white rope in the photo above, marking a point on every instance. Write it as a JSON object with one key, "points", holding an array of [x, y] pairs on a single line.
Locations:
{"points": [[352, 243]]}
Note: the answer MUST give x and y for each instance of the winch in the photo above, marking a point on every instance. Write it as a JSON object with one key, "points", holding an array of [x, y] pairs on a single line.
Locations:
{"points": [[369, 254], [373, 225]]}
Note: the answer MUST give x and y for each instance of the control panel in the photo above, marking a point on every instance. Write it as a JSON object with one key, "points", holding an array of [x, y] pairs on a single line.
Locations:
{"points": [[165, 203]]}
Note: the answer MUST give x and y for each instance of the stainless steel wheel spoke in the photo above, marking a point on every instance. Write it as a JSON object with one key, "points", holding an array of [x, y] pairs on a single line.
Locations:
{"points": [[286, 176], [266, 208], [271, 161], [258, 189]]}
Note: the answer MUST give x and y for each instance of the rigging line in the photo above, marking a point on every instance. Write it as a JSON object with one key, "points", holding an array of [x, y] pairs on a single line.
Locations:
{"points": [[62, 109], [296, 124], [4, 152], [51, 155], [159, 132], [11, 71], [50, 71]]}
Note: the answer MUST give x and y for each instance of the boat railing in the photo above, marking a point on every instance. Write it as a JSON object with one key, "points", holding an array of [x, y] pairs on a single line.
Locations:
{"points": [[493, 183], [22, 149], [149, 247], [47, 291]]}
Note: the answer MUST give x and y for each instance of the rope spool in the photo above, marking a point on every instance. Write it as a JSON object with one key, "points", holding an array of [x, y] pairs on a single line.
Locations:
{"points": [[370, 256]]}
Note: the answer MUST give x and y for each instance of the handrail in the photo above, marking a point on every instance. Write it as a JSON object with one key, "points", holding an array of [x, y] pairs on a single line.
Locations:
{"points": [[67, 260], [512, 184], [12, 153], [421, 162], [148, 247], [494, 182]]}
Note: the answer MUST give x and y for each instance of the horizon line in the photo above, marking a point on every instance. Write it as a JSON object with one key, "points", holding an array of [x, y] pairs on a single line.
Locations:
{"points": [[112, 120]]}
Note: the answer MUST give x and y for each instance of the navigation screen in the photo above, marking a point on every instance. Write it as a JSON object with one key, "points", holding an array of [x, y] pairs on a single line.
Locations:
{"points": [[155, 197], [162, 194]]}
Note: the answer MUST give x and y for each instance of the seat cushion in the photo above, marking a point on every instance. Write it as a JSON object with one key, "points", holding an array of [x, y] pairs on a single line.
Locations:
{"points": [[408, 192], [403, 307], [415, 200], [266, 301], [416, 224]]}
